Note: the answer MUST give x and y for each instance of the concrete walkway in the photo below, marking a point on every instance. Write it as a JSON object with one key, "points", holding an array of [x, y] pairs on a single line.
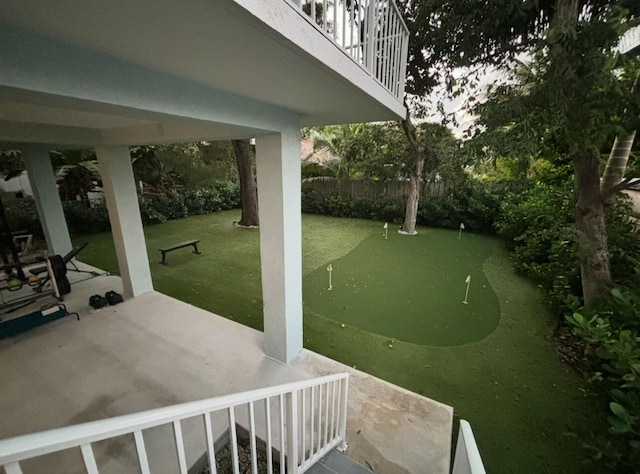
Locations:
{"points": [[154, 351]]}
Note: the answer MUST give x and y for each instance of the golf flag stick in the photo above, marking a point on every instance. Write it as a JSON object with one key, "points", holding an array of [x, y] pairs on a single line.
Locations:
{"points": [[386, 229], [330, 269], [466, 294], [460, 231]]}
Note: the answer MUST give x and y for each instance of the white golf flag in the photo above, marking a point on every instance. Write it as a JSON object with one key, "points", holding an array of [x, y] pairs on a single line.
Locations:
{"points": [[468, 279], [461, 226], [329, 268], [385, 226]]}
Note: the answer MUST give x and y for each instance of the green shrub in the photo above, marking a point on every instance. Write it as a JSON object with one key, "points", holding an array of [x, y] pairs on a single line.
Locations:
{"points": [[154, 209], [473, 204], [224, 195], [524, 214], [381, 209], [614, 334], [22, 215], [537, 225], [623, 241], [177, 204], [82, 218]]}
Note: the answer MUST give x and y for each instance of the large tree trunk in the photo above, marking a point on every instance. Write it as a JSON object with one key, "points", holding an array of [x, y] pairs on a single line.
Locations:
{"points": [[592, 233], [411, 211], [589, 212], [248, 190]]}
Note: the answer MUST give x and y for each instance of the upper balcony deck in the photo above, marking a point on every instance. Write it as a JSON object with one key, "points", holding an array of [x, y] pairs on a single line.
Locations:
{"points": [[106, 68], [371, 32]]}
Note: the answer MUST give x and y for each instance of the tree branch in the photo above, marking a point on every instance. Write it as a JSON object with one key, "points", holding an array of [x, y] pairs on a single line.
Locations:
{"points": [[410, 130], [626, 183]]}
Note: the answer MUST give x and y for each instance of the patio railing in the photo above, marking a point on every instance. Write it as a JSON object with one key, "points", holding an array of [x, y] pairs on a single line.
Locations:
{"points": [[467, 459], [371, 32], [302, 420]]}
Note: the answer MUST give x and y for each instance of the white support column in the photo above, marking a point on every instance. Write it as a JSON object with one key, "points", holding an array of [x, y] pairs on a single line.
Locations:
{"points": [[48, 205], [278, 170], [126, 222]]}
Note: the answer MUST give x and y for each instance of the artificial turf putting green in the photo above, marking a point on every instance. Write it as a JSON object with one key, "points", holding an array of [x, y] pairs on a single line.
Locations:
{"points": [[410, 288], [521, 401]]}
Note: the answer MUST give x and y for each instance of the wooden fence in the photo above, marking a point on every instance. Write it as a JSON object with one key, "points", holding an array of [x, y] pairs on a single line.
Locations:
{"points": [[349, 189]]}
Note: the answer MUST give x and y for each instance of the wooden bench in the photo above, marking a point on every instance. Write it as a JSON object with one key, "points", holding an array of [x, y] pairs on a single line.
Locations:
{"points": [[186, 243]]}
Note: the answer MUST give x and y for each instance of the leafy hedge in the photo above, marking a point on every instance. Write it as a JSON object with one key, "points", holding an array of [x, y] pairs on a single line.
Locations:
{"points": [[22, 215], [179, 204], [84, 219], [538, 226], [614, 335], [384, 209], [473, 204]]}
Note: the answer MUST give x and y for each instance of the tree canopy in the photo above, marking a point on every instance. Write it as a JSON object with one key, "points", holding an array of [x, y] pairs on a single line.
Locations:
{"points": [[566, 92], [380, 152]]}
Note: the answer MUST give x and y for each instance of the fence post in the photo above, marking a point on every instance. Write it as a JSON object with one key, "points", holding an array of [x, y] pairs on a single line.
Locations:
{"points": [[291, 402]]}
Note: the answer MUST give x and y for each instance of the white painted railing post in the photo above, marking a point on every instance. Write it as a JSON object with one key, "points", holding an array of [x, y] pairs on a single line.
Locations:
{"points": [[467, 459], [13, 468], [344, 391], [370, 36], [403, 66], [234, 440], [291, 402]]}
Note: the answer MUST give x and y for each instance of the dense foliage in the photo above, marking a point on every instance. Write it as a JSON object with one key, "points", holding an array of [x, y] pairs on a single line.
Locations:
{"points": [[83, 218], [178, 204], [162, 168], [379, 151], [21, 215], [473, 203], [537, 225], [613, 333]]}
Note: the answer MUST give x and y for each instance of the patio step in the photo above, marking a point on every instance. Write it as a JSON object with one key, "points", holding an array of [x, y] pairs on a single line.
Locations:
{"points": [[337, 463]]}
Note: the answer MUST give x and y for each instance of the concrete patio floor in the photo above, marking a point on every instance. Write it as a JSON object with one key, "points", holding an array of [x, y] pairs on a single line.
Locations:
{"points": [[153, 351]]}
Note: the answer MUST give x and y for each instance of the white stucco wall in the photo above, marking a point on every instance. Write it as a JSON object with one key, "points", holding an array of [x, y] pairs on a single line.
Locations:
{"points": [[18, 184]]}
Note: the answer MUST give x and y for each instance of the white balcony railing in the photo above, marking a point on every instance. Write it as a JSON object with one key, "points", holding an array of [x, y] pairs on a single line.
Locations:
{"points": [[630, 40], [371, 32], [467, 459], [310, 419]]}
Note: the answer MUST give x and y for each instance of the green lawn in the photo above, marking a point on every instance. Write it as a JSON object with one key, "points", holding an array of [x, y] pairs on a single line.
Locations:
{"points": [[491, 359]]}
